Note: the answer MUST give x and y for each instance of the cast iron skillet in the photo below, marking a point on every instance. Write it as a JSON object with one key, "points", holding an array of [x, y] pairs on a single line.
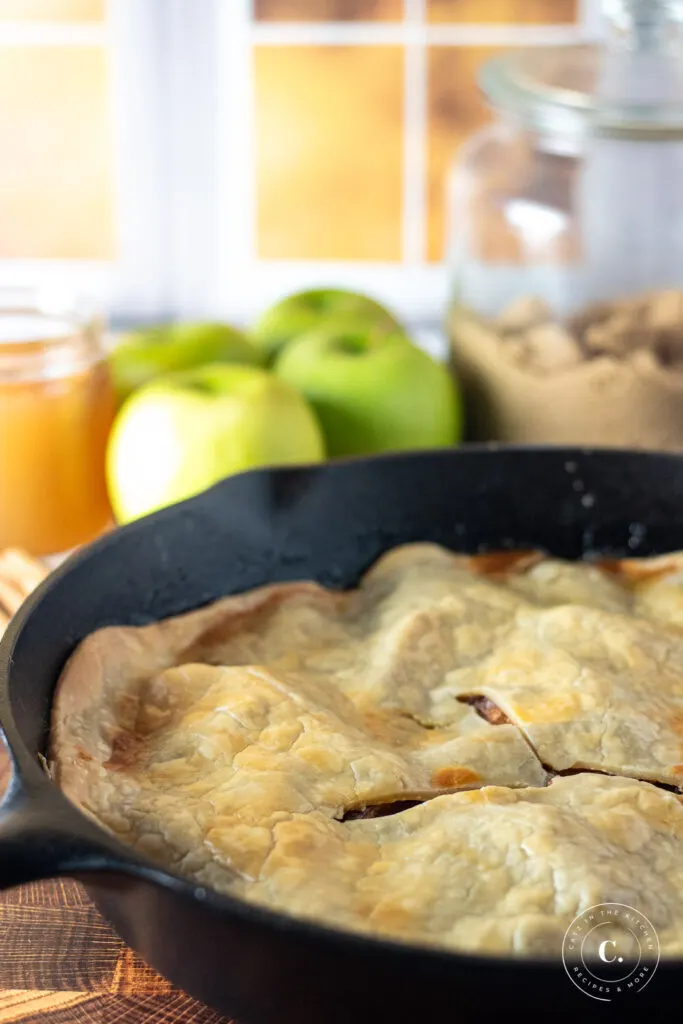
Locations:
{"points": [[327, 523]]}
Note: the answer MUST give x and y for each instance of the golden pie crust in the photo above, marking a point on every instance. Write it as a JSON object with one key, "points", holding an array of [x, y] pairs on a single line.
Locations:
{"points": [[241, 745]]}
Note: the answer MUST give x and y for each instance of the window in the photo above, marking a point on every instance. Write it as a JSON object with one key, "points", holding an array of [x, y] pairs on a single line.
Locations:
{"points": [[56, 189], [202, 157]]}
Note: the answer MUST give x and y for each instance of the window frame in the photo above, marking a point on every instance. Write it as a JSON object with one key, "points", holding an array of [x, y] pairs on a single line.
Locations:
{"points": [[182, 103]]}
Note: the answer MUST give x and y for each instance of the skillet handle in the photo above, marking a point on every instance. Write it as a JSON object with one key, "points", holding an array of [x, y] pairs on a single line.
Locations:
{"points": [[43, 836]]}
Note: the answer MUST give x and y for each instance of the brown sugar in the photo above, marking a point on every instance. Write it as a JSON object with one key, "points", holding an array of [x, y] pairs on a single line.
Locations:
{"points": [[611, 375]]}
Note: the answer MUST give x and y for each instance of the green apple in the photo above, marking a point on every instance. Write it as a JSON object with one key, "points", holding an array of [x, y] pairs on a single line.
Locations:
{"points": [[373, 391], [182, 433], [150, 352], [300, 313]]}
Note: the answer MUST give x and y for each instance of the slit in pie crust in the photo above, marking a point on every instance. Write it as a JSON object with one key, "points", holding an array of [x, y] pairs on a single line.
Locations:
{"points": [[385, 759]]}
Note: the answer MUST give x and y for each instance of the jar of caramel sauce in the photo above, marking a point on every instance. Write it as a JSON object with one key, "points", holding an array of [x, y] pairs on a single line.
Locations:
{"points": [[56, 410]]}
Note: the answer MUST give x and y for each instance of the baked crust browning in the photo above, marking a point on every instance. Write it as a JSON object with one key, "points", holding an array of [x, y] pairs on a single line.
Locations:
{"points": [[377, 758], [492, 870]]}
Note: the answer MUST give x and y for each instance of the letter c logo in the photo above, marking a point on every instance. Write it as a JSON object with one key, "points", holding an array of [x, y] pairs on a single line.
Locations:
{"points": [[601, 951]]}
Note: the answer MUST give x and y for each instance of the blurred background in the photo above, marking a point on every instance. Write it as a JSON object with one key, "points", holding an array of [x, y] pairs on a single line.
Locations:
{"points": [[242, 233], [184, 158]]}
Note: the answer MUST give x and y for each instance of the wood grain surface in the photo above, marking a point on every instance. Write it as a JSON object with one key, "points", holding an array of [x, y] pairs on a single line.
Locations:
{"points": [[61, 963]]}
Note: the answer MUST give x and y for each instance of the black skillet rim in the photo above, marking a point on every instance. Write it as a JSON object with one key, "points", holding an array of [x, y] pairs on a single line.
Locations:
{"points": [[128, 862]]}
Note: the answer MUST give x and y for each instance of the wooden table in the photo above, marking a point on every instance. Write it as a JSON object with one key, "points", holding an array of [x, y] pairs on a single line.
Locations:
{"points": [[61, 963]]}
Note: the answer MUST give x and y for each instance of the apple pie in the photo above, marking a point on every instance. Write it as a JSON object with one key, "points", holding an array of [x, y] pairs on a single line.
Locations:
{"points": [[466, 752]]}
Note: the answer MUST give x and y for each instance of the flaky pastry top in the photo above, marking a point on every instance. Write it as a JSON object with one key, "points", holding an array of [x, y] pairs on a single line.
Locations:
{"points": [[389, 759]]}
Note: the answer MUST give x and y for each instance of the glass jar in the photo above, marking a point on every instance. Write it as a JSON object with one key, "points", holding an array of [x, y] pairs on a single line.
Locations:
{"points": [[56, 409], [565, 240]]}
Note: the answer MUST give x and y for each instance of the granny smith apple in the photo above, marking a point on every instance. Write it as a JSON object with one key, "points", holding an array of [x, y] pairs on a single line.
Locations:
{"points": [[150, 352], [373, 391], [300, 313], [182, 433]]}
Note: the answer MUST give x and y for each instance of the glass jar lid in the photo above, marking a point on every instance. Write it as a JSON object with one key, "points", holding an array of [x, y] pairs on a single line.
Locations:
{"points": [[40, 315], [631, 85], [45, 333]]}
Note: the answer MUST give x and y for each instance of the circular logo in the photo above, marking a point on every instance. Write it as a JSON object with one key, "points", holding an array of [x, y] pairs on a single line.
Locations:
{"points": [[610, 951]]}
